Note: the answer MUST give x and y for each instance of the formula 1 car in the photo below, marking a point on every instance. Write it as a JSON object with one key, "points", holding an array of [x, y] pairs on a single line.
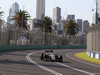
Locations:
{"points": [[48, 55]]}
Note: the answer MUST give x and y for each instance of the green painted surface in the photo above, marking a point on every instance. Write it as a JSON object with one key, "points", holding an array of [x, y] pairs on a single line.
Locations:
{"points": [[83, 56], [30, 47]]}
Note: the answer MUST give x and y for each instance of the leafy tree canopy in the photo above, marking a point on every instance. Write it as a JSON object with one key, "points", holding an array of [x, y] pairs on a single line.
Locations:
{"points": [[71, 28], [21, 18]]}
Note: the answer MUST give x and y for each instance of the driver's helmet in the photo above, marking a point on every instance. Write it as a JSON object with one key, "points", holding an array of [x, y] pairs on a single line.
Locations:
{"points": [[51, 51]]}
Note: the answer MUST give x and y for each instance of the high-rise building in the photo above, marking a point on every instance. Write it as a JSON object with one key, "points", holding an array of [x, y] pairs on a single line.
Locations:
{"points": [[15, 7], [12, 12], [79, 22], [56, 15], [98, 7], [85, 25], [96, 14], [40, 9], [94, 18], [70, 17]]}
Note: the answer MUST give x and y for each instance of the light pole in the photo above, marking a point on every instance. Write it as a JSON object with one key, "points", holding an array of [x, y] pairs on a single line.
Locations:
{"points": [[96, 2]]}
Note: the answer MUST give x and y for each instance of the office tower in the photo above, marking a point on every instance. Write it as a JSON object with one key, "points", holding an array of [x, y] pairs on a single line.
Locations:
{"points": [[70, 17], [97, 14], [8, 18], [85, 25], [12, 12], [15, 7], [55, 27], [33, 24], [98, 10], [56, 15], [79, 22], [98, 7], [94, 18], [40, 9]]}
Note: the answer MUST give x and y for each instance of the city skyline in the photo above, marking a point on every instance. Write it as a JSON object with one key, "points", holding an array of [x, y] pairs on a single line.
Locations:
{"points": [[77, 7], [98, 7], [56, 15], [70, 17], [12, 12], [79, 22], [40, 9]]}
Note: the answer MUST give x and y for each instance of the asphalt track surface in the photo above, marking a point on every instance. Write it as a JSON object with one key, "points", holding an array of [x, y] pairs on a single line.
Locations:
{"points": [[28, 63]]}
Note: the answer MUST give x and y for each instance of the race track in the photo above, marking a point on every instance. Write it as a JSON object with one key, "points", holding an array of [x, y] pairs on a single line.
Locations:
{"points": [[28, 63]]}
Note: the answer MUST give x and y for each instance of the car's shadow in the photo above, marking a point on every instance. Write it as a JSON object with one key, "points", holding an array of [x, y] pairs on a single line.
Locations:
{"points": [[66, 62]]}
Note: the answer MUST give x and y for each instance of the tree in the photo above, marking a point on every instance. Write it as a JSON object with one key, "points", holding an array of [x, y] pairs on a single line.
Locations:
{"points": [[71, 28], [21, 18], [1, 21], [99, 19], [47, 25], [92, 24], [1, 12]]}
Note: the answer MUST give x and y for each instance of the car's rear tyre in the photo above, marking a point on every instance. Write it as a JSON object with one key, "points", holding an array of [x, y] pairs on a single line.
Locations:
{"points": [[60, 59], [41, 56], [44, 58]]}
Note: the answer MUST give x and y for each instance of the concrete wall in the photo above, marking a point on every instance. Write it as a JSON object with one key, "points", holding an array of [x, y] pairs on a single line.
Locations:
{"points": [[93, 41]]}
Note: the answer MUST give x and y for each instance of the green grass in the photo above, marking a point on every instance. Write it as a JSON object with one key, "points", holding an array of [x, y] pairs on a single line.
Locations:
{"points": [[84, 56]]}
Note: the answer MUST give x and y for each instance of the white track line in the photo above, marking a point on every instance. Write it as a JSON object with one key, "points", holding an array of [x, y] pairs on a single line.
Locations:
{"points": [[97, 73], [79, 70], [76, 68], [81, 61], [40, 66]]}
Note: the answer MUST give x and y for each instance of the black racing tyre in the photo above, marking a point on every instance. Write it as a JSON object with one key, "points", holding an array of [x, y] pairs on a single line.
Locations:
{"points": [[56, 58], [60, 59], [41, 56], [44, 58]]}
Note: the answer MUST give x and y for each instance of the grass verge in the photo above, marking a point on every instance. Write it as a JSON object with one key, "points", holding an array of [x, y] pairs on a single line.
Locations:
{"points": [[84, 56]]}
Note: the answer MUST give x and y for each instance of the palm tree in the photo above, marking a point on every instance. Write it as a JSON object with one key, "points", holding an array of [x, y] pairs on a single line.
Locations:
{"points": [[47, 25], [71, 28], [1, 21], [21, 18], [1, 12], [1, 17], [99, 19]]}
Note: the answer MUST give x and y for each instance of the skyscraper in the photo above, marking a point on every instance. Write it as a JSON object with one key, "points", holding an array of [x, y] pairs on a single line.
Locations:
{"points": [[15, 7], [40, 9], [94, 18], [70, 17], [98, 7], [56, 15], [79, 22], [85, 25], [12, 12]]}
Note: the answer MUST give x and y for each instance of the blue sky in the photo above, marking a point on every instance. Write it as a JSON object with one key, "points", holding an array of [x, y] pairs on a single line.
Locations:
{"points": [[81, 8]]}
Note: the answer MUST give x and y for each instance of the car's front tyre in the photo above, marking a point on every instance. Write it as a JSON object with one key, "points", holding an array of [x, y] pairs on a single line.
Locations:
{"points": [[41, 56], [60, 58]]}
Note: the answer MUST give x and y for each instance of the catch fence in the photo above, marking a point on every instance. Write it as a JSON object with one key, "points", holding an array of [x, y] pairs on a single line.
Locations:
{"points": [[14, 35]]}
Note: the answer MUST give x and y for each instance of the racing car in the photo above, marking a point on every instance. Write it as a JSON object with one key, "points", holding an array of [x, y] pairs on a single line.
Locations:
{"points": [[48, 55]]}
